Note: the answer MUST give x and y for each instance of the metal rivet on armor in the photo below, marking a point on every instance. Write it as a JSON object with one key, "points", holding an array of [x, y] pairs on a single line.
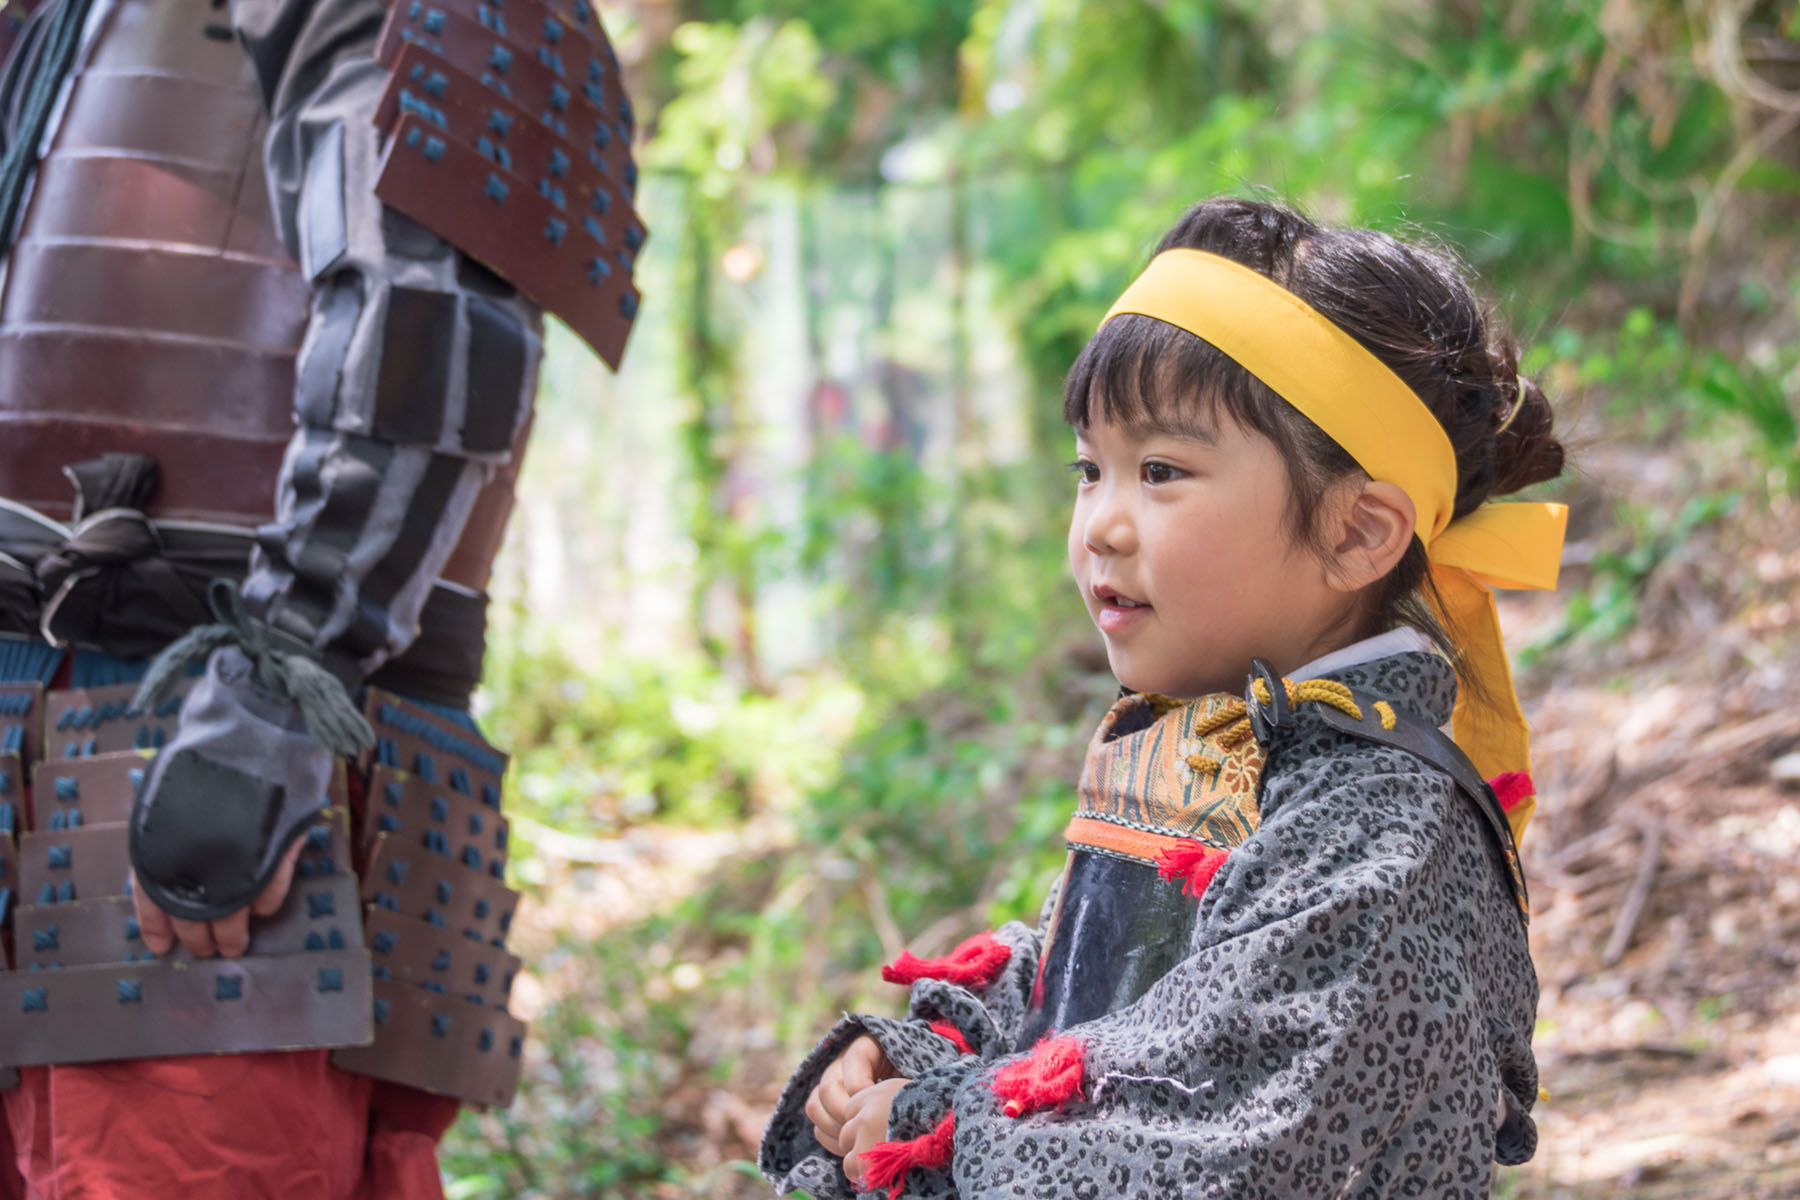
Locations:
{"points": [[594, 229], [56, 820], [34, 1000], [318, 837], [482, 973], [495, 189], [459, 780], [306, 868], [440, 1025], [381, 1011], [384, 942], [440, 809], [437, 843], [47, 894], [434, 917], [625, 262], [552, 193], [434, 149], [559, 163], [387, 823], [471, 857], [45, 938], [331, 979], [552, 30], [442, 961], [413, 138], [314, 941], [486, 1041], [436, 84], [229, 987], [474, 935], [497, 869], [505, 922], [434, 22], [516, 1045], [137, 779], [335, 940], [500, 59], [554, 231], [597, 270], [320, 904], [132, 932], [475, 824], [634, 238], [60, 858], [6, 781], [444, 891], [434, 988], [131, 991], [65, 891], [75, 819], [559, 97], [628, 306], [499, 124], [68, 788], [396, 872], [159, 737], [482, 908]]}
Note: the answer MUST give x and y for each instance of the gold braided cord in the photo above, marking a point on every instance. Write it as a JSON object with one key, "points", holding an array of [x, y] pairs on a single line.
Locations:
{"points": [[1232, 721]]}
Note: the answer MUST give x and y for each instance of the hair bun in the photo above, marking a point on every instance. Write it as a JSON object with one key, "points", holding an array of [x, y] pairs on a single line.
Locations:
{"points": [[1525, 450]]}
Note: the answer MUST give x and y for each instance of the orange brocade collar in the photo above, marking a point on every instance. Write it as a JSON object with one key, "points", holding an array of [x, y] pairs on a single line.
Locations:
{"points": [[1144, 791]]}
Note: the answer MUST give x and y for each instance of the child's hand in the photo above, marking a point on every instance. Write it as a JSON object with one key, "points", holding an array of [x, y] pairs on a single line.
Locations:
{"points": [[866, 1123], [859, 1067]]}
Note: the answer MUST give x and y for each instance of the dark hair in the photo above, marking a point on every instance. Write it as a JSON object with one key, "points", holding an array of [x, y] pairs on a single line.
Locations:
{"points": [[1410, 305]]}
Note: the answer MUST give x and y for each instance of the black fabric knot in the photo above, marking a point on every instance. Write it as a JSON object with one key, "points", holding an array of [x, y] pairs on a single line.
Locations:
{"points": [[110, 584]]}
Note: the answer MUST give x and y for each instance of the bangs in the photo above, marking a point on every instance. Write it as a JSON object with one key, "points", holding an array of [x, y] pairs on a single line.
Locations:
{"points": [[1138, 371]]}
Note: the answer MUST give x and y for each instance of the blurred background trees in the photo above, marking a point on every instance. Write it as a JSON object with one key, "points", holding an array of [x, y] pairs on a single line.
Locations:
{"points": [[784, 643]]}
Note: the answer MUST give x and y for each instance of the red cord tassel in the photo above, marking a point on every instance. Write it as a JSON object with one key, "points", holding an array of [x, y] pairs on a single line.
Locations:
{"points": [[1188, 859], [1512, 788], [1049, 1077], [947, 1030], [975, 963], [888, 1162]]}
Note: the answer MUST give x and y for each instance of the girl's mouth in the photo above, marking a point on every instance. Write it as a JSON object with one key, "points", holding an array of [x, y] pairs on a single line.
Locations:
{"points": [[1118, 612]]}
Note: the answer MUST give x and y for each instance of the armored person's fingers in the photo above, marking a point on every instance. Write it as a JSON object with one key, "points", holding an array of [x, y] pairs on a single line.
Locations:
{"points": [[231, 935], [153, 923], [269, 902], [196, 937]]}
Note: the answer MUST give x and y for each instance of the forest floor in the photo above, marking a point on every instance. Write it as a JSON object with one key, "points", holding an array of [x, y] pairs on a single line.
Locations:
{"points": [[1664, 867]]}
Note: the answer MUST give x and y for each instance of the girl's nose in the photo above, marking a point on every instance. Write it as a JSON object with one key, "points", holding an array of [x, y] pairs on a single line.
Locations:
{"points": [[1108, 528]]}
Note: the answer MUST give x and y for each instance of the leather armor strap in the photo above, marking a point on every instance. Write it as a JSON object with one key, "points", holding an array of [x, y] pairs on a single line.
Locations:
{"points": [[1420, 738], [411, 880], [417, 952], [212, 1006], [84, 722], [440, 1044], [437, 817]]}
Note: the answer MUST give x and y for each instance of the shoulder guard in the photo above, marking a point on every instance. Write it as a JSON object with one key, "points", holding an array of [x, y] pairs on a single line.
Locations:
{"points": [[510, 137]]}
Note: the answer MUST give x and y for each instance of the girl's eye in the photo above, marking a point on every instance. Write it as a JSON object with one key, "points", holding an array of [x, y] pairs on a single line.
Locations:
{"points": [[1160, 472], [1087, 472]]}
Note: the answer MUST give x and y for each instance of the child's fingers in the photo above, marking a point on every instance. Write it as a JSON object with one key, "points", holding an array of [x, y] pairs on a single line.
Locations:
{"points": [[826, 1124], [863, 1064]]}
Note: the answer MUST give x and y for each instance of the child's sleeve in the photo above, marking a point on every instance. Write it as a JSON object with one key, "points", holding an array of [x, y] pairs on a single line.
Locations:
{"points": [[1355, 1018], [950, 1030]]}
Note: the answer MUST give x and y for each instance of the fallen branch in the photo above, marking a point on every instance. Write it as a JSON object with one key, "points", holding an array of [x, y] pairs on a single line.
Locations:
{"points": [[1648, 860]]}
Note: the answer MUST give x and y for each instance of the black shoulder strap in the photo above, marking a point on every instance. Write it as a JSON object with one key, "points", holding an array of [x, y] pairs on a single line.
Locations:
{"points": [[1419, 737]]}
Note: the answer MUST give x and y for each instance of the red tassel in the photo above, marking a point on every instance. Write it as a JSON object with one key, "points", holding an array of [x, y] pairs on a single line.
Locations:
{"points": [[888, 1162], [947, 1030], [1188, 859], [975, 963], [1512, 788], [1049, 1077]]}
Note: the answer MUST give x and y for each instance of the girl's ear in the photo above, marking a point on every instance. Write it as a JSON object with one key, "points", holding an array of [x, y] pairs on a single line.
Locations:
{"points": [[1373, 528]]}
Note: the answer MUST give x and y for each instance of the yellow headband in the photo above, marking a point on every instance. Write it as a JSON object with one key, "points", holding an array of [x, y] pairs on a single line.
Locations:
{"points": [[1380, 422]]}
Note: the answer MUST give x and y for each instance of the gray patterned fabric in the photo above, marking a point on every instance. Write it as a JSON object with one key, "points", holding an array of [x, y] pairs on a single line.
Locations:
{"points": [[1353, 1018], [393, 441]]}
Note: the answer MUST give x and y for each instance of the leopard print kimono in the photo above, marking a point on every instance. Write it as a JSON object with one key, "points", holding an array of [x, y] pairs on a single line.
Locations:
{"points": [[1353, 1017]]}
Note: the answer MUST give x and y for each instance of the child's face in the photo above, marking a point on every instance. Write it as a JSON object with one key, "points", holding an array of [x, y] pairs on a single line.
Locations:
{"points": [[1180, 545]]}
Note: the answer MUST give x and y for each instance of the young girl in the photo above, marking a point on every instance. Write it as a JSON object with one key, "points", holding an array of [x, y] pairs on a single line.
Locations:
{"points": [[1287, 957]]}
